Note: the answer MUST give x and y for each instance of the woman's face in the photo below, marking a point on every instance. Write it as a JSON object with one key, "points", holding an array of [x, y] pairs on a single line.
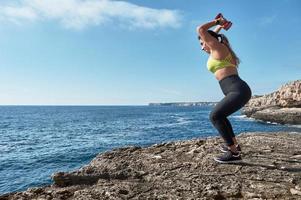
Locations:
{"points": [[204, 47]]}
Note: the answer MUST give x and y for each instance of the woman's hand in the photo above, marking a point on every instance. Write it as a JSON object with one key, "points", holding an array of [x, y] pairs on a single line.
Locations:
{"points": [[222, 21]]}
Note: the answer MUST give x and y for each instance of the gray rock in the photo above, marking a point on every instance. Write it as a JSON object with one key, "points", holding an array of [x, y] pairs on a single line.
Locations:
{"points": [[271, 169], [282, 106], [295, 192]]}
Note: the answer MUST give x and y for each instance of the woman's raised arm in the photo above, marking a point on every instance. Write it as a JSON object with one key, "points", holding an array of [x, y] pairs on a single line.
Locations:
{"points": [[218, 28]]}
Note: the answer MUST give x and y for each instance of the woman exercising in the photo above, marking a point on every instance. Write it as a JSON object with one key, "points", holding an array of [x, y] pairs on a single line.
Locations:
{"points": [[223, 62]]}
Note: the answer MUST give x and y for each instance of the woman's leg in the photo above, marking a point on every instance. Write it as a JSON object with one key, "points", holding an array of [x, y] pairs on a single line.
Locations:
{"points": [[237, 94], [231, 103], [231, 131]]}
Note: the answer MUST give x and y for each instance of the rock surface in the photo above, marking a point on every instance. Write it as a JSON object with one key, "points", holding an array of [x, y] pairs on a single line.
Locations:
{"points": [[282, 106], [271, 169]]}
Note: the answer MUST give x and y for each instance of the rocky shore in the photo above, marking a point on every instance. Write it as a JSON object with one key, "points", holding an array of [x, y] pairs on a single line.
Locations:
{"points": [[271, 169], [282, 106]]}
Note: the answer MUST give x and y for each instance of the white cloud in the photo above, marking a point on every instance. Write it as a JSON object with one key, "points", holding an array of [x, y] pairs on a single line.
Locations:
{"points": [[78, 14], [17, 14]]}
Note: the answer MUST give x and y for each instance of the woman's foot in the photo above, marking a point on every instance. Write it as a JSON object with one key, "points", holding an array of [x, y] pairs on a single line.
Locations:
{"points": [[224, 148], [229, 157]]}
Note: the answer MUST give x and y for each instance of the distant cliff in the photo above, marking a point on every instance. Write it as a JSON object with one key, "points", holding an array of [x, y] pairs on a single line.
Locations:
{"points": [[184, 104]]}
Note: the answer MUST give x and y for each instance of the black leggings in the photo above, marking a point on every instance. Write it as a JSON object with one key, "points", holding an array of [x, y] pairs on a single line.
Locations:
{"points": [[237, 94]]}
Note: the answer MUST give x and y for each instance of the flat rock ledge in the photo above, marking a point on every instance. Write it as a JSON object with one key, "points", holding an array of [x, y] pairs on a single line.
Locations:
{"points": [[271, 169]]}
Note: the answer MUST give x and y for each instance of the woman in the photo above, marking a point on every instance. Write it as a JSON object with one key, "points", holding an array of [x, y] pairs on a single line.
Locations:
{"points": [[223, 62]]}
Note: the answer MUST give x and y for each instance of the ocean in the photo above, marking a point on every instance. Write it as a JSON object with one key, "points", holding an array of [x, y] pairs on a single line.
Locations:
{"points": [[36, 141]]}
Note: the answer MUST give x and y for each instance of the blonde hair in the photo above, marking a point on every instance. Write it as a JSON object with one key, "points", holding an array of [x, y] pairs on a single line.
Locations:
{"points": [[225, 41]]}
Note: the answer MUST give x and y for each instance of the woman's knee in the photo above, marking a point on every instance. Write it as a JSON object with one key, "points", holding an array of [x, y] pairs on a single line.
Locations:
{"points": [[215, 116]]}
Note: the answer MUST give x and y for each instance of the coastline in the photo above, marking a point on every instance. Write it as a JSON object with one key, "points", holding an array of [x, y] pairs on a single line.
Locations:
{"points": [[184, 169], [271, 166]]}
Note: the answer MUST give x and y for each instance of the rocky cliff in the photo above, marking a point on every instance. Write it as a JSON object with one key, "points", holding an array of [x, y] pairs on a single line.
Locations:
{"points": [[282, 106], [271, 169]]}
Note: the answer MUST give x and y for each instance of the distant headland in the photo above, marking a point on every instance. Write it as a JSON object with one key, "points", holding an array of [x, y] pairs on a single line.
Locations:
{"points": [[205, 103]]}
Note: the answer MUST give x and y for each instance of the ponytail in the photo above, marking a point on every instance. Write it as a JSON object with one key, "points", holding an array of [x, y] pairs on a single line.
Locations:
{"points": [[225, 41]]}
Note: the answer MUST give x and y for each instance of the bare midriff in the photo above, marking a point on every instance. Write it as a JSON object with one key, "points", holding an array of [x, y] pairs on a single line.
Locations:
{"points": [[224, 72]]}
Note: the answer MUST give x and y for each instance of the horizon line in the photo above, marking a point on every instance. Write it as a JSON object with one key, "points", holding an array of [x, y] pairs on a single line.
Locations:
{"points": [[106, 104]]}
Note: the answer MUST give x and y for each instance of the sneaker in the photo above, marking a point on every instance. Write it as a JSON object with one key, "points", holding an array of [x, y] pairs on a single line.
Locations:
{"points": [[228, 157], [224, 148]]}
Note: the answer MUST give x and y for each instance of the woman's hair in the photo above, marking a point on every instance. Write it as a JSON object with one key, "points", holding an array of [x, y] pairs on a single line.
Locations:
{"points": [[223, 39]]}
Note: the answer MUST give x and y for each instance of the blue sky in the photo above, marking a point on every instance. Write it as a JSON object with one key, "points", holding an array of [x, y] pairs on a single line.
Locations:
{"points": [[94, 52]]}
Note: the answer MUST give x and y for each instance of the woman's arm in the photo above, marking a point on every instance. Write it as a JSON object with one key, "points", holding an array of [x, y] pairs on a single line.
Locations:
{"points": [[205, 27], [218, 29], [202, 30]]}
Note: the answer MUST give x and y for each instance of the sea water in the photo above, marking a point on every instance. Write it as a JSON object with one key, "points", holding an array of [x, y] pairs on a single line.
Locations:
{"points": [[36, 141]]}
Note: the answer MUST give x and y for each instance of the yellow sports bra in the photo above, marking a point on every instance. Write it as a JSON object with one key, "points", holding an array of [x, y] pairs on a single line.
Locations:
{"points": [[213, 64]]}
